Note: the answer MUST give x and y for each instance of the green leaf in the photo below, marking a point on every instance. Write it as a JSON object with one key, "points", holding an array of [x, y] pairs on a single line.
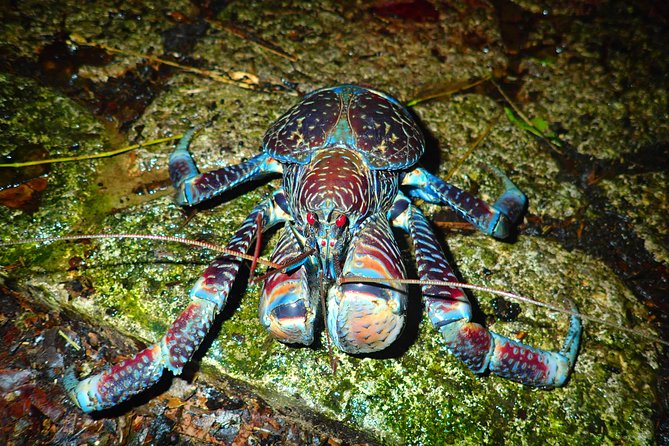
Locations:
{"points": [[537, 126]]}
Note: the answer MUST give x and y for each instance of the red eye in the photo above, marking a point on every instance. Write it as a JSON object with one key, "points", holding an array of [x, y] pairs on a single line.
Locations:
{"points": [[311, 218], [341, 220]]}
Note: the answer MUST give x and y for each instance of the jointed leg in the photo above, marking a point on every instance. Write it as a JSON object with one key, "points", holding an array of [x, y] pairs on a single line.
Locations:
{"points": [[175, 349], [193, 188], [480, 349], [495, 220]]}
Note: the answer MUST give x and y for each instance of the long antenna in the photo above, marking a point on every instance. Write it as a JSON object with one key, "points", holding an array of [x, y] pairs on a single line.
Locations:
{"points": [[357, 279], [165, 238], [351, 279]]}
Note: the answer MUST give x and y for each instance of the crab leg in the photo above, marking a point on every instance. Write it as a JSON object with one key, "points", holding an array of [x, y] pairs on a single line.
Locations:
{"points": [[449, 311], [193, 188], [174, 350], [495, 220]]}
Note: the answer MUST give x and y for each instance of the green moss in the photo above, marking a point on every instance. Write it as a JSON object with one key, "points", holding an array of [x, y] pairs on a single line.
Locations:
{"points": [[33, 115]]}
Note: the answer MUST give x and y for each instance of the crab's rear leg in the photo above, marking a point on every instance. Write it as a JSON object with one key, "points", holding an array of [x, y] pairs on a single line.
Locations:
{"points": [[193, 187], [175, 349], [496, 220], [449, 311]]}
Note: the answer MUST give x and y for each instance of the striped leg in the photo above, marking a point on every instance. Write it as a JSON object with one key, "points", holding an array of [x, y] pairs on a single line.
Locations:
{"points": [[364, 317], [496, 220], [193, 188], [290, 303], [175, 349], [481, 350]]}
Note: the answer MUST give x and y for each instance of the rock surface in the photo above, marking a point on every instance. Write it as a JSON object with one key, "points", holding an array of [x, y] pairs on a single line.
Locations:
{"points": [[595, 230]]}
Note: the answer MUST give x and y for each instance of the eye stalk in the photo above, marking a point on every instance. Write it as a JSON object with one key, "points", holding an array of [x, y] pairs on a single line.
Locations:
{"points": [[311, 218], [341, 220]]}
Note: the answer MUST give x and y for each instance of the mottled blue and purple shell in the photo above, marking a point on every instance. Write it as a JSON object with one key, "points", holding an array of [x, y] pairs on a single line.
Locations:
{"points": [[369, 122]]}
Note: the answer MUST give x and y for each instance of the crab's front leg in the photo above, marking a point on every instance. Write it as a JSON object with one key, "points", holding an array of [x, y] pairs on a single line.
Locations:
{"points": [[208, 296], [449, 311], [175, 349], [193, 187], [368, 317], [496, 220]]}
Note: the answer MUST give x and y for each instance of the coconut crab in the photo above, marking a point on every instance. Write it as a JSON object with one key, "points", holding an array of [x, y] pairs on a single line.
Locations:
{"points": [[347, 155]]}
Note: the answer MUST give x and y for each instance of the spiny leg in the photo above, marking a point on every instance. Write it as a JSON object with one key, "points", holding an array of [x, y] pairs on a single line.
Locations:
{"points": [[496, 220], [365, 317], [289, 303], [193, 187], [480, 349], [175, 349]]}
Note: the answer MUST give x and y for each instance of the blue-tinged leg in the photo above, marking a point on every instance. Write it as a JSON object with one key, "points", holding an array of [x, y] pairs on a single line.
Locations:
{"points": [[449, 311], [193, 187], [368, 317], [496, 220], [175, 349], [289, 304]]}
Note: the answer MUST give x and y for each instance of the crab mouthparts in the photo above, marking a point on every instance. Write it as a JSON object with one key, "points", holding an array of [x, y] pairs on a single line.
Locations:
{"points": [[328, 256]]}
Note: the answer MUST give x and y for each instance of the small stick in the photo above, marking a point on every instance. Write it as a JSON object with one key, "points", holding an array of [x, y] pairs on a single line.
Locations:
{"points": [[92, 156], [251, 37], [461, 86], [202, 72], [472, 147], [69, 340]]}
